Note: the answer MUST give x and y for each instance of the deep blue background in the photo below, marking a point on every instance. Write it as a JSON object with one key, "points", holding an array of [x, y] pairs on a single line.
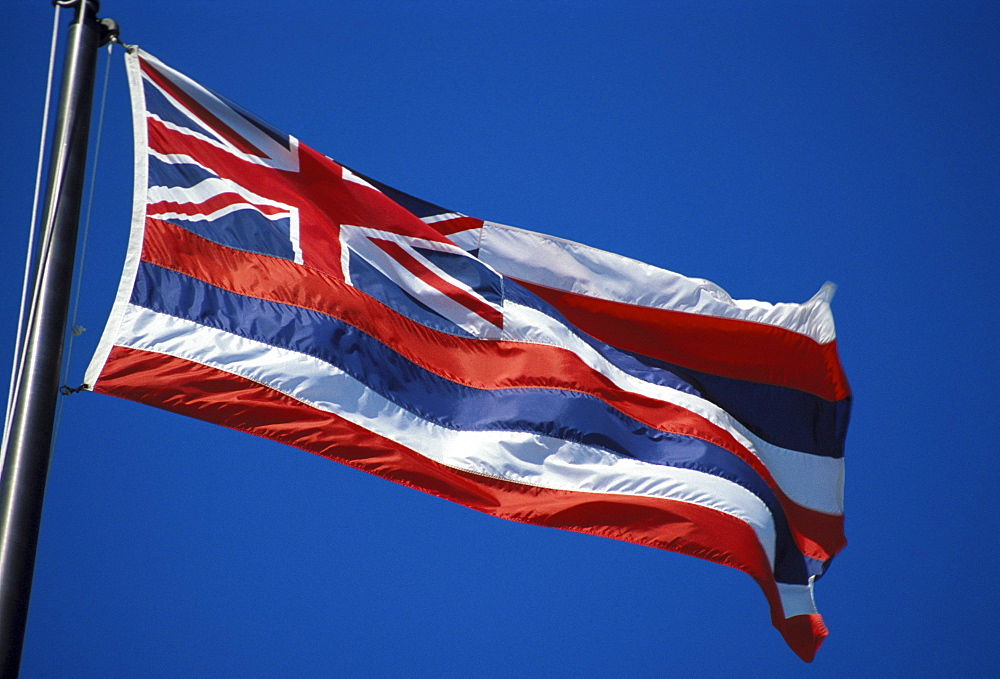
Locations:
{"points": [[765, 146]]}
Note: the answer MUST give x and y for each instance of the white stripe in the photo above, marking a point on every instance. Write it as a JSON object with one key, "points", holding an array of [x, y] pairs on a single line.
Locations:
{"points": [[523, 458], [206, 189], [178, 159], [813, 481], [565, 265], [137, 228], [351, 177], [797, 599], [222, 212], [441, 217]]}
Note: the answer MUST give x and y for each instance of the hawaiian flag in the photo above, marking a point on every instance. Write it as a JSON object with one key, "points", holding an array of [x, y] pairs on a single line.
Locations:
{"points": [[272, 290]]}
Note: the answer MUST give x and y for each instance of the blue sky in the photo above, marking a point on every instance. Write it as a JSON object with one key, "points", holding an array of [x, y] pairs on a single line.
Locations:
{"points": [[767, 147]]}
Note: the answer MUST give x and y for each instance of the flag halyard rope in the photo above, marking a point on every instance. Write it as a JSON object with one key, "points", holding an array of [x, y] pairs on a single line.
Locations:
{"points": [[15, 373]]}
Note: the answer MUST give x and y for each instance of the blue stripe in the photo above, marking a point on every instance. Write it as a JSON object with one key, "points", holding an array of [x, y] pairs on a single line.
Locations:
{"points": [[565, 415], [180, 175], [783, 416], [247, 230]]}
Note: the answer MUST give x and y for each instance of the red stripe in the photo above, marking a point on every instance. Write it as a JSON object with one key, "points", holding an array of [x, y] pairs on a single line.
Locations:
{"points": [[745, 350], [482, 365], [215, 396], [454, 293], [209, 118], [456, 224]]}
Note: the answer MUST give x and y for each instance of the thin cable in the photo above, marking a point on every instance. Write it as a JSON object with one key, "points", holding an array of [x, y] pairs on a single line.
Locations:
{"points": [[75, 329], [15, 373]]}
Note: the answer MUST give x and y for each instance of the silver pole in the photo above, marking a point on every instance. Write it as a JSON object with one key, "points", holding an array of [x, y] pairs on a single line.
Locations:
{"points": [[25, 466]]}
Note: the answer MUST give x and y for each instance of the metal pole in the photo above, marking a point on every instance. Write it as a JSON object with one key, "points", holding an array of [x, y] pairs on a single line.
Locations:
{"points": [[26, 462]]}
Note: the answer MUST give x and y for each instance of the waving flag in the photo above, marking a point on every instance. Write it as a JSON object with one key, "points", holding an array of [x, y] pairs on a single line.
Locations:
{"points": [[274, 291]]}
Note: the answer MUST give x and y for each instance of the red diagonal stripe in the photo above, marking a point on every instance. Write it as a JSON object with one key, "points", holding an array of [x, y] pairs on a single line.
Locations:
{"points": [[485, 311], [456, 224], [195, 107]]}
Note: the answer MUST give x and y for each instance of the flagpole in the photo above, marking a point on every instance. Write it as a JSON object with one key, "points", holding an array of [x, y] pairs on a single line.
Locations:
{"points": [[26, 459]]}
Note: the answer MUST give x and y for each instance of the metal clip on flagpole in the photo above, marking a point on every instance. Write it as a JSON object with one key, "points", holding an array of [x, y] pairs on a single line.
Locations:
{"points": [[26, 459]]}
